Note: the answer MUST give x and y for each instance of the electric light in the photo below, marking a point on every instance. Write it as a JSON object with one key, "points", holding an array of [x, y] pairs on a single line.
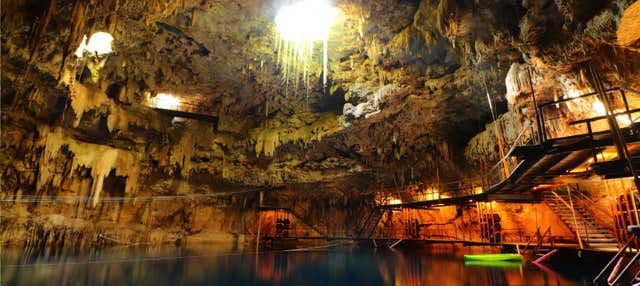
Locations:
{"points": [[99, 43], [164, 101], [308, 20]]}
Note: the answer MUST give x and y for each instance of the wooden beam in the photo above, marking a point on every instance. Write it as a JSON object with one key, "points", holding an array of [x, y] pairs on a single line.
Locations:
{"points": [[190, 115]]}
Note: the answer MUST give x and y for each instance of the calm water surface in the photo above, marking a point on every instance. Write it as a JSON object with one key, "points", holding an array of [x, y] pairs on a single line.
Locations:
{"points": [[345, 265]]}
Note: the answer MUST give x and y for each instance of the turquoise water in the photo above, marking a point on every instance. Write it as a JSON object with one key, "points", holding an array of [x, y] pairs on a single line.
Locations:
{"points": [[344, 265]]}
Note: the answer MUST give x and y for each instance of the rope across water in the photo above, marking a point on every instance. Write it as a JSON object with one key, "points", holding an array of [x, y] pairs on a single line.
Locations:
{"points": [[74, 199]]}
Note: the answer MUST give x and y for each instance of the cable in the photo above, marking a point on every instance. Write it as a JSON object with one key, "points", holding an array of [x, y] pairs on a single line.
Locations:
{"points": [[40, 199]]}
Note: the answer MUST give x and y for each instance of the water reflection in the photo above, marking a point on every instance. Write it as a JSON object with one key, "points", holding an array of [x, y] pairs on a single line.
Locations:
{"points": [[220, 266]]}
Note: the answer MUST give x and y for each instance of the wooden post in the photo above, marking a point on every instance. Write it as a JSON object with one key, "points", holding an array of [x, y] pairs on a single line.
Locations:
{"points": [[493, 221], [259, 223]]}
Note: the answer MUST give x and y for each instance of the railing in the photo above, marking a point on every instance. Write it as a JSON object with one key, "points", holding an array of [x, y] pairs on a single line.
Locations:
{"points": [[586, 114], [539, 240], [588, 204], [569, 205], [367, 227], [616, 273], [461, 188], [561, 119]]}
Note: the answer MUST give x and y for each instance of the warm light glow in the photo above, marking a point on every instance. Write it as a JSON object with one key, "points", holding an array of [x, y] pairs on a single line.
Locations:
{"points": [[578, 105], [623, 119], [573, 93], [395, 201], [598, 107], [164, 101], [99, 43], [581, 169], [545, 186], [608, 154], [306, 21]]}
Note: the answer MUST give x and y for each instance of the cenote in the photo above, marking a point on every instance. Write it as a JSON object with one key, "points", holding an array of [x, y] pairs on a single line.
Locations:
{"points": [[339, 264], [320, 142]]}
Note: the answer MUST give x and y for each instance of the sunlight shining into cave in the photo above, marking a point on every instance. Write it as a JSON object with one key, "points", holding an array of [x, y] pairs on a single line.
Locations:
{"points": [[306, 21], [299, 26], [99, 43]]}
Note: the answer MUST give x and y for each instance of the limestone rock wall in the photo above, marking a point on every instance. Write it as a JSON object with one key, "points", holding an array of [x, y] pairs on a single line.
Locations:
{"points": [[519, 222], [406, 92]]}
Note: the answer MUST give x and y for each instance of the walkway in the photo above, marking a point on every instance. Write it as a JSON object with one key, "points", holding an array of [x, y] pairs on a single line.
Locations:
{"points": [[572, 146]]}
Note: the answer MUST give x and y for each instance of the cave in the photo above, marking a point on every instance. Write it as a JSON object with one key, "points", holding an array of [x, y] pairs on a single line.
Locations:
{"points": [[320, 142]]}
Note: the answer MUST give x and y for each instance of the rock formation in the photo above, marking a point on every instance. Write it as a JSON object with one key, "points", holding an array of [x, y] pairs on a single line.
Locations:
{"points": [[410, 85]]}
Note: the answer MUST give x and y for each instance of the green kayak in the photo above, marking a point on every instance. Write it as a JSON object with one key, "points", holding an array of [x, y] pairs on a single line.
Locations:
{"points": [[494, 257], [494, 264]]}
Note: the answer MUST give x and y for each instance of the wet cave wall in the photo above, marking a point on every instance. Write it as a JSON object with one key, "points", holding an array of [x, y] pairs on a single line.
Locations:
{"points": [[83, 153], [519, 223]]}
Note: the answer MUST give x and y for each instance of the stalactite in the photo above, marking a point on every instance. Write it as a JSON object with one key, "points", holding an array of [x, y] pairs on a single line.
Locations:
{"points": [[101, 159], [34, 41], [84, 98], [267, 138], [75, 33]]}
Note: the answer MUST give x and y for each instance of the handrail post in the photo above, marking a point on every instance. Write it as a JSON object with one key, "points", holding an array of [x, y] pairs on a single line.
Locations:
{"points": [[575, 222], [626, 109], [615, 257], [593, 144], [623, 271], [542, 125]]}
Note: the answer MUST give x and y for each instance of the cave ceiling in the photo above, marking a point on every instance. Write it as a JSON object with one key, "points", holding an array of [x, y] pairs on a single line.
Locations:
{"points": [[406, 89]]}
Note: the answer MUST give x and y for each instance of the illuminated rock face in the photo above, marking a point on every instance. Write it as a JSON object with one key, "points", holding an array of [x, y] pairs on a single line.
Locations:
{"points": [[406, 92]]}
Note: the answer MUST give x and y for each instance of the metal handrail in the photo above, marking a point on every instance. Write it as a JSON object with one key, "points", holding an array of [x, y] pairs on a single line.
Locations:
{"points": [[573, 212], [622, 250], [470, 184], [583, 95], [552, 118], [614, 258], [540, 239], [592, 203]]}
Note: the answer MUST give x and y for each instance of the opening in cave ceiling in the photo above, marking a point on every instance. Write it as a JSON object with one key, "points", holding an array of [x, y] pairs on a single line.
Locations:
{"points": [[99, 44], [299, 27]]}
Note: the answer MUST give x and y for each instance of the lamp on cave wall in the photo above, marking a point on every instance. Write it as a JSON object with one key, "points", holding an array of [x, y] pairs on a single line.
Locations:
{"points": [[299, 26], [164, 101]]}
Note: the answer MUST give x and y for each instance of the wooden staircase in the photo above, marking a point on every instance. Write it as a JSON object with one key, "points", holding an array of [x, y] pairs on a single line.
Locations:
{"points": [[579, 221]]}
